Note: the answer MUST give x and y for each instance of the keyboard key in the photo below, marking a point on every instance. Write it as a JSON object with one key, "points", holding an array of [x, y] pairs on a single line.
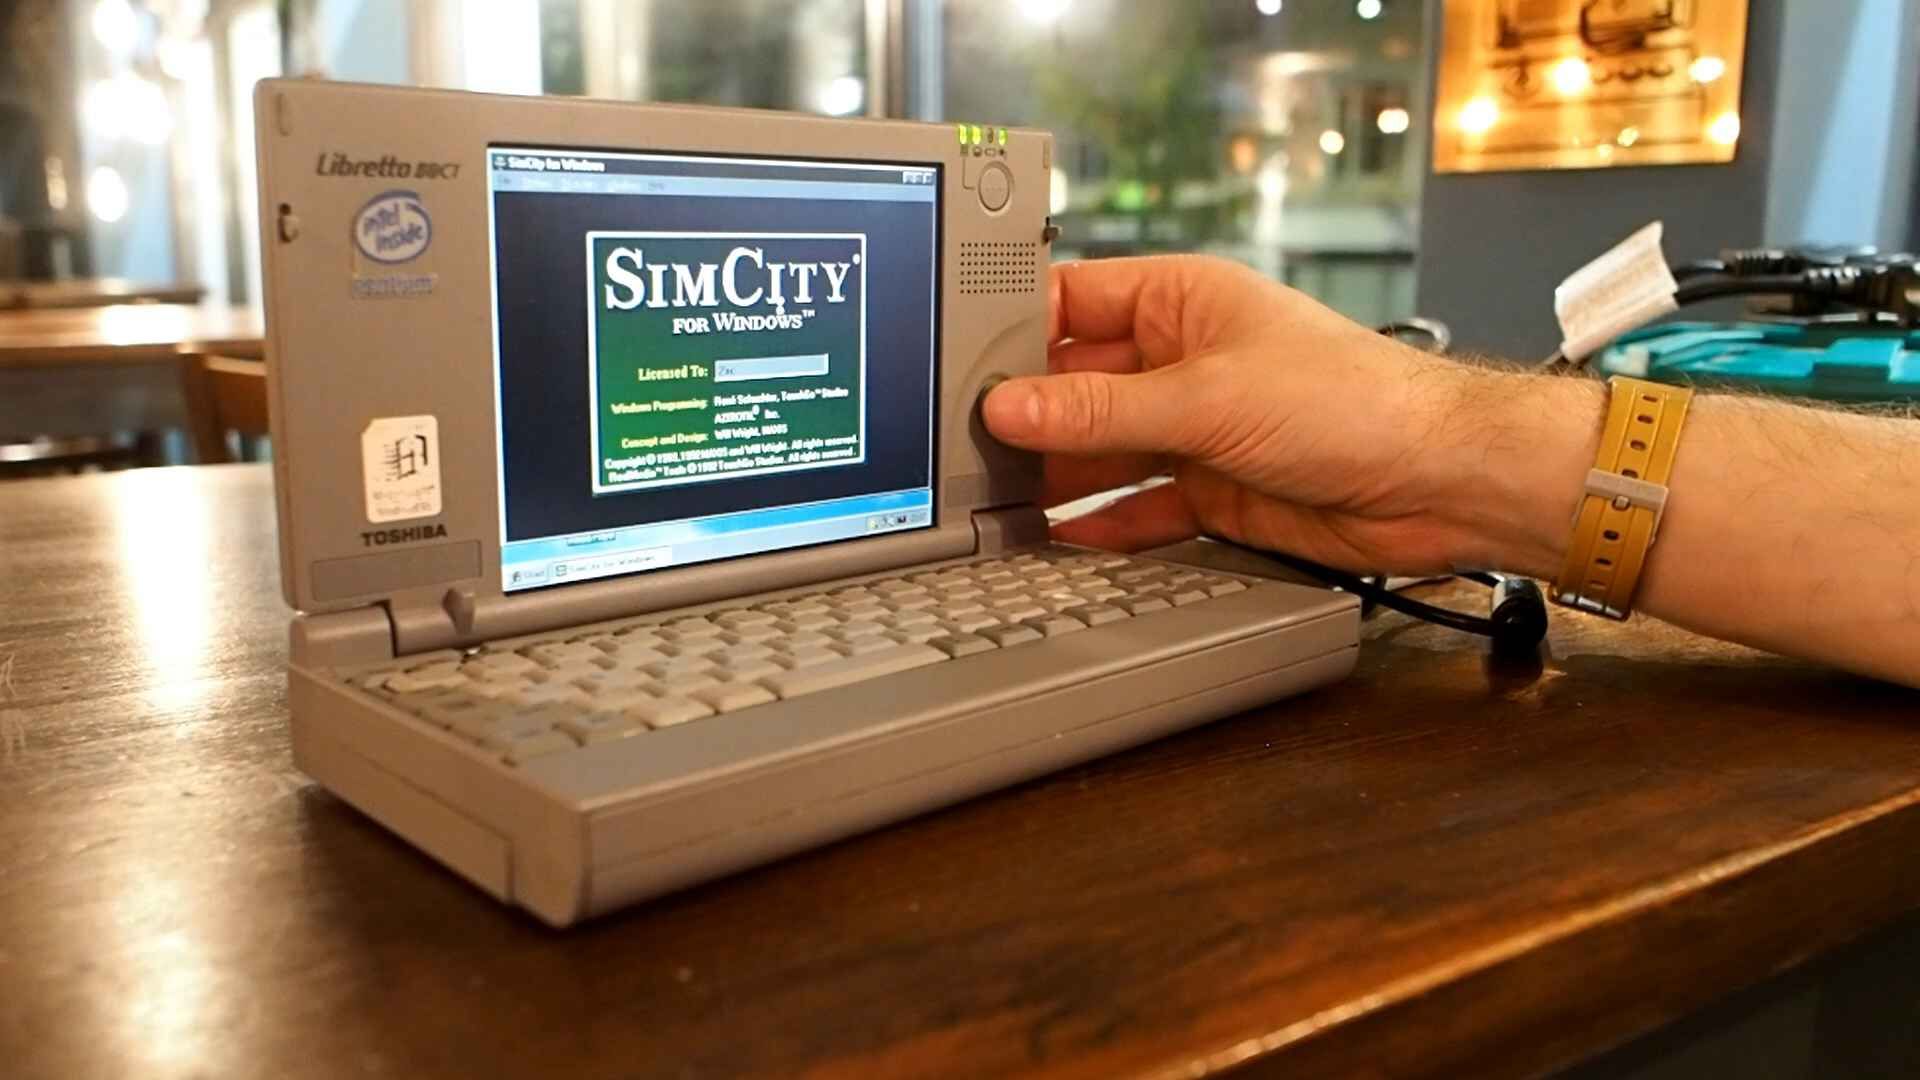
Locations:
{"points": [[1185, 595], [505, 663], [856, 629], [599, 727], [550, 693], [1004, 636], [802, 641], [1017, 610], [498, 729], [914, 635], [1142, 605], [852, 669], [1102, 593], [636, 656], [865, 610], [688, 626], [800, 624], [613, 682], [737, 653], [903, 619], [918, 602], [958, 645], [736, 620], [748, 670], [807, 656], [733, 697], [1097, 614], [747, 635], [523, 750], [897, 588], [435, 677], [673, 669], [682, 685], [861, 645], [1055, 625], [1221, 586], [668, 711], [969, 623], [957, 608], [561, 654]]}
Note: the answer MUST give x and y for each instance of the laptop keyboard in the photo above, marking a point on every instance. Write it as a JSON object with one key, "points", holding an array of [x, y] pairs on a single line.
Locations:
{"points": [[530, 697]]}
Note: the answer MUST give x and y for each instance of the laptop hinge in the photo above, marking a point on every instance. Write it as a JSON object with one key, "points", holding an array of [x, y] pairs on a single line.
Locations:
{"points": [[1008, 527], [459, 618], [339, 638]]}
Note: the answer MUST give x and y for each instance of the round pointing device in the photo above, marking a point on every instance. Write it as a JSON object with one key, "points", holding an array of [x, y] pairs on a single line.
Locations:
{"points": [[996, 187]]}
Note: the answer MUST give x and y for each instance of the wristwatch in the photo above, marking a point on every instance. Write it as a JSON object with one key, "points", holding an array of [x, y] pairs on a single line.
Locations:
{"points": [[1626, 493]]}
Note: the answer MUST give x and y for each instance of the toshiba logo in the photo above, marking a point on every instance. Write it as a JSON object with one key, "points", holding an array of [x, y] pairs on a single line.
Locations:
{"points": [[410, 534]]}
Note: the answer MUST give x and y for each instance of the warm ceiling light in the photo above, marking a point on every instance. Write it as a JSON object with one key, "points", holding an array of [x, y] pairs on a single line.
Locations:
{"points": [[1368, 9], [1570, 76], [1478, 116], [1393, 121], [1707, 69], [1725, 129], [1268, 7], [1332, 142]]}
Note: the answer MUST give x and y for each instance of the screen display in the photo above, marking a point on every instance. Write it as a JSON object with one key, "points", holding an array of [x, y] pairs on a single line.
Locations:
{"points": [[701, 358]]}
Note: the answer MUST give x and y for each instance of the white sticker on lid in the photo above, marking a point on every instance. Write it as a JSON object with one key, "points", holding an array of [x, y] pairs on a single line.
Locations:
{"points": [[1622, 290], [400, 456]]}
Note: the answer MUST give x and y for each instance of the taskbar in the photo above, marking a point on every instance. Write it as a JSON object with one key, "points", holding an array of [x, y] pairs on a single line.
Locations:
{"points": [[533, 564]]}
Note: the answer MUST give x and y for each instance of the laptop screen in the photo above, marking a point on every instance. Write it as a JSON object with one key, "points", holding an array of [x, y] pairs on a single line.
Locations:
{"points": [[702, 358]]}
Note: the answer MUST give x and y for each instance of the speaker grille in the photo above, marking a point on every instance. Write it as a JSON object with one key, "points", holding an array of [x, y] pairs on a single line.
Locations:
{"points": [[1005, 266]]}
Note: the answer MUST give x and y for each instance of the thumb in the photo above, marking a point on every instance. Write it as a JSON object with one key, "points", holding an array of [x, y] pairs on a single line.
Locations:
{"points": [[1087, 412]]}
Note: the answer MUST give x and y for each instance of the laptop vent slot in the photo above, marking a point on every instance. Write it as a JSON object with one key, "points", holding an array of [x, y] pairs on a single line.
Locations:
{"points": [[998, 267]]}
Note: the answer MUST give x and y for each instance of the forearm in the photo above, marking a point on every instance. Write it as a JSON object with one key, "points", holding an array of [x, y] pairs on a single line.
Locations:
{"points": [[1792, 529]]}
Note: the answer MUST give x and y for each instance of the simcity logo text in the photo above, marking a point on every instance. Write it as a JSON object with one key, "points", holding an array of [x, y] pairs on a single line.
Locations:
{"points": [[744, 277]]}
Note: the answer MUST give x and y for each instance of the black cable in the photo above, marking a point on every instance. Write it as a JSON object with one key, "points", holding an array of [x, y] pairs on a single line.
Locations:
{"points": [[1519, 619], [1694, 292], [1699, 268]]}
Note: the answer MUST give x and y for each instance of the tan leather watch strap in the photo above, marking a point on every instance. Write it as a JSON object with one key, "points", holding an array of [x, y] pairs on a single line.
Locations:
{"points": [[1619, 516]]}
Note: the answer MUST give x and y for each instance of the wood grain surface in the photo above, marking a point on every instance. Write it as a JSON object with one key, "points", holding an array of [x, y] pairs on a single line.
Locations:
{"points": [[1440, 867], [126, 333]]}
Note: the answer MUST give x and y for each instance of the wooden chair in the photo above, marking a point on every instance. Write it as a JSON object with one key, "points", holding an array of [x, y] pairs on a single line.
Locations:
{"points": [[223, 394]]}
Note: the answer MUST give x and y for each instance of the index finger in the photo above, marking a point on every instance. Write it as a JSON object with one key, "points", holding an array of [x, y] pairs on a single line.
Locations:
{"points": [[1104, 299]]}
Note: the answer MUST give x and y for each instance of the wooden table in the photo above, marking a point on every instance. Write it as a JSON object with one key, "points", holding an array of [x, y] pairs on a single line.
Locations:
{"points": [[82, 371], [94, 292], [1441, 866]]}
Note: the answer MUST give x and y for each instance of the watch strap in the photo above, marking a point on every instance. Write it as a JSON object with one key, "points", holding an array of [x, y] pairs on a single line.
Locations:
{"points": [[1619, 515]]}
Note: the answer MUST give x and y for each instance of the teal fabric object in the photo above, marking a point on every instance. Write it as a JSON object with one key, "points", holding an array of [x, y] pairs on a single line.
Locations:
{"points": [[1834, 362]]}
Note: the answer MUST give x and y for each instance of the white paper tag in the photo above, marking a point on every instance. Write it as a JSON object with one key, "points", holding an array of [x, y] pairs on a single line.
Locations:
{"points": [[1622, 290], [400, 456]]}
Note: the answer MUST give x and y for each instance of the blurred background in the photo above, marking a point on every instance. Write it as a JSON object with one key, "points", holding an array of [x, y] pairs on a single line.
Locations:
{"points": [[1292, 135], [1285, 133]]}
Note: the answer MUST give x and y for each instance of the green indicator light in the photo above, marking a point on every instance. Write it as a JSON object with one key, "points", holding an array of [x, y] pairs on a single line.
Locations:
{"points": [[977, 137], [1003, 136], [963, 133]]}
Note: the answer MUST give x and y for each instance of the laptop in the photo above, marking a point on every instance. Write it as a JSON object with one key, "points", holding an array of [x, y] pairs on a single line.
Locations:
{"points": [[634, 501]]}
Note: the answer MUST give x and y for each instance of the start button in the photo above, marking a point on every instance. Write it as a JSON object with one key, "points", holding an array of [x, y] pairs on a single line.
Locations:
{"points": [[996, 187]]}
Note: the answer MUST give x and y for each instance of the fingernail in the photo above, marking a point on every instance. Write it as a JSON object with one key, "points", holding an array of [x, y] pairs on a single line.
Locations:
{"points": [[1013, 406]]}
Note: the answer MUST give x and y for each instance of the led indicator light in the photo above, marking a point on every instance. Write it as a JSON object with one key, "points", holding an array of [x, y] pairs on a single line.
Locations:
{"points": [[963, 133]]}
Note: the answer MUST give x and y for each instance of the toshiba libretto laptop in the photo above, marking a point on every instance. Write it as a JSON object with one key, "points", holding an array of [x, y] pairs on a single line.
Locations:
{"points": [[634, 498]]}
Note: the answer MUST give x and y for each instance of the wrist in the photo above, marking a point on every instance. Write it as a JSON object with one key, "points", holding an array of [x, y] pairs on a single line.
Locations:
{"points": [[1513, 454]]}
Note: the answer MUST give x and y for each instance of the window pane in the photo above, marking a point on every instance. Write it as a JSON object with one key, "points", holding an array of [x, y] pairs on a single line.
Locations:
{"points": [[1294, 141], [806, 55]]}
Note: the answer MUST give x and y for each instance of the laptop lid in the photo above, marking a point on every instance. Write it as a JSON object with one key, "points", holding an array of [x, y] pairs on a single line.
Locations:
{"points": [[534, 361]]}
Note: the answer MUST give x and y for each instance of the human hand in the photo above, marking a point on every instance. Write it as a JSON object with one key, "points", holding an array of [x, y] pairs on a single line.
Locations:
{"points": [[1286, 426]]}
